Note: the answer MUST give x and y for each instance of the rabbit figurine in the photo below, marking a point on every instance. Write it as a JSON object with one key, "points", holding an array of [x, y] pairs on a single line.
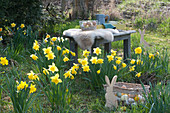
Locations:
{"points": [[111, 99]]}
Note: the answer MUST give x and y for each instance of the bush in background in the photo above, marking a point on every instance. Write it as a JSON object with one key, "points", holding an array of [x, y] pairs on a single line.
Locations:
{"points": [[20, 11]]}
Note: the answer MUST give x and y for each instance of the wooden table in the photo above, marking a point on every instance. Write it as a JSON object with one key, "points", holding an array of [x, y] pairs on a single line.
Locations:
{"points": [[123, 35]]}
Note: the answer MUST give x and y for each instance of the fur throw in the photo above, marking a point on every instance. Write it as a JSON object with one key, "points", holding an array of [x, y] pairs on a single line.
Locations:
{"points": [[85, 39]]}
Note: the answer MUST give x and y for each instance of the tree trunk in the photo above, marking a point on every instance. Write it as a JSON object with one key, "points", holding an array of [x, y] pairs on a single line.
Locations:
{"points": [[75, 9]]}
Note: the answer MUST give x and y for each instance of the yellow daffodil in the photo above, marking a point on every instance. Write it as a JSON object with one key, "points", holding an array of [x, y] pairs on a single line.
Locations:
{"points": [[3, 61], [157, 53], [51, 43], [45, 40], [73, 71], [58, 48], [79, 60], [13, 25], [73, 53], [32, 89], [0, 29], [47, 36], [123, 108], [139, 62], [50, 55], [72, 77], [53, 68], [86, 53], [1, 38], [56, 79], [118, 61], [114, 67], [65, 59], [138, 50], [64, 52], [132, 61], [47, 50], [22, 26], [138, 75], [123, 65], [36, 42], [93, 60], [68, 74], [113, 53], [53, 39], [86, 68], [151, 56], [66, 90], [110, 58], [45, 71], [98, 72], [84, 62], [67, 51], [75, 66], [132, 68], [119, 58], [22, 85], [35, 77], [34, 57], [18, 87], [36, 47], [31, 75], [100, 61], [97, 51]]}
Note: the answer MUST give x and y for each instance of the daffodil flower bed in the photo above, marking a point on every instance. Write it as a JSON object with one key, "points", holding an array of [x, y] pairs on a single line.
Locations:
{"points": [[54, 80], [52, 76], [22, 93], [94, 68]]}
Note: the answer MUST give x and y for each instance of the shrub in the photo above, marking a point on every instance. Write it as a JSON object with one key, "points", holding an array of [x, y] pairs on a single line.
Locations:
{"points": [[58, 28], [164, 27], [20, 11]]}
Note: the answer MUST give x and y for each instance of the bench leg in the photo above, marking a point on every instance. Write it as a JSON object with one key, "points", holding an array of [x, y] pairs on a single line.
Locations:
{"points": [[107, 47], [127, 48], [73, 48]]}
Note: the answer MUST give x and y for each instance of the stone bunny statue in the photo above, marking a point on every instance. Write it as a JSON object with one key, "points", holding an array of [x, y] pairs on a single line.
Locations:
{"points": [[111, 99]]}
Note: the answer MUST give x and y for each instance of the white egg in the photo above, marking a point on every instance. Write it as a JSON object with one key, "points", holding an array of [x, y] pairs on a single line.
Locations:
{"points": [[124, 97], [141, 98], [131, 100], [134, 103], [119, 94]]}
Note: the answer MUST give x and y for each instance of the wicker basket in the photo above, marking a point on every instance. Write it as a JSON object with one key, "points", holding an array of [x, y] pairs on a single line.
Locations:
{"points": [[131, 88], [88, 25]]}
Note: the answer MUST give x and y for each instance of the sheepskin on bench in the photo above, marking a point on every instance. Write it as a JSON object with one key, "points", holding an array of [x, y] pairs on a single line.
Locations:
{"points": [[85, 39]]}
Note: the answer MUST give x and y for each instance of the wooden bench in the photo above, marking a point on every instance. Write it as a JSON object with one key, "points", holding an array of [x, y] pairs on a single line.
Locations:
{"points": [[123, 35]]}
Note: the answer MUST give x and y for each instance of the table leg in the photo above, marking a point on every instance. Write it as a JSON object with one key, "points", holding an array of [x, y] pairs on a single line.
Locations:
{"points": [[73, 48], [107, 47], [127, 48]]}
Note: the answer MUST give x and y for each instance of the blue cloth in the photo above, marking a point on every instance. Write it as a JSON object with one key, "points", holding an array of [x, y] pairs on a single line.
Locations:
{"points": [[108, 25]]}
